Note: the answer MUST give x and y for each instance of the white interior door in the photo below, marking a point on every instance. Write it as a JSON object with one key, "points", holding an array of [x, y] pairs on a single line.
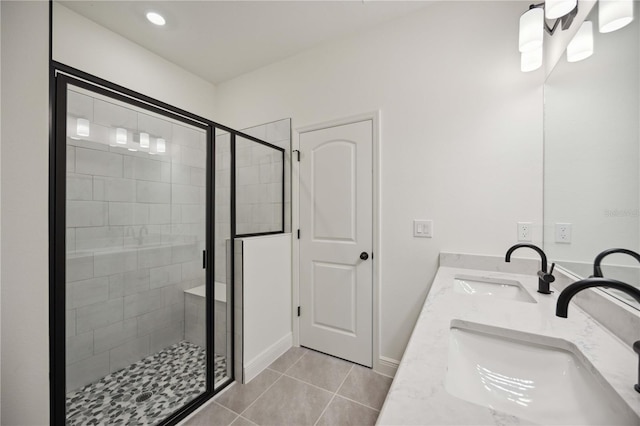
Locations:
{"points": [[336, 226]]}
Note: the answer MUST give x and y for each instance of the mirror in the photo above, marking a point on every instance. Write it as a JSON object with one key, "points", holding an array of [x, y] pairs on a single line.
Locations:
{"points": [[592, 157]]}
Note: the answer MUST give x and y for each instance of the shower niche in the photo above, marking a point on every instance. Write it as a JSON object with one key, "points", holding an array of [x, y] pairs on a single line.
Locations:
{"points": [[142, 216]]}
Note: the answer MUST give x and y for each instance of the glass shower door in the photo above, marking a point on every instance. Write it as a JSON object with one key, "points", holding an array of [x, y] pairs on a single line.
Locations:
{"points": [[136, 279]]}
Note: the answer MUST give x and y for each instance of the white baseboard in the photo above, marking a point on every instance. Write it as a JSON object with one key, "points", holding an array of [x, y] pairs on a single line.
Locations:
{"points": [[266, 357], [387, 366]]}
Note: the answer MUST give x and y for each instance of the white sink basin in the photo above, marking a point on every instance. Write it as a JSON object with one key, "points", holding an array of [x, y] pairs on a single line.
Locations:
{"points": [[491, 287], [548, 382]]}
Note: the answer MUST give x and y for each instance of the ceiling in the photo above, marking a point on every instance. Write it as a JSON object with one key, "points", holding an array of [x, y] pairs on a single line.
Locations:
{"points": [[219, 40]]}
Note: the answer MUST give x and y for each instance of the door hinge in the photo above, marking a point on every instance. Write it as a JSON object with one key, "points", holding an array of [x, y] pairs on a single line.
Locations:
{"points": [[298, 310], [297, 152], [298, 234], [204, 259]]}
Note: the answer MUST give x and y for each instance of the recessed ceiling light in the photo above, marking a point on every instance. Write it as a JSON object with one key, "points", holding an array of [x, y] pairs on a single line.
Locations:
{"points": [[155, 18]]}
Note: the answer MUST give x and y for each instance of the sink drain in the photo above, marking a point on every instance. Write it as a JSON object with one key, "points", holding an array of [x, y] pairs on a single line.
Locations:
{"points": [[144, 396]]}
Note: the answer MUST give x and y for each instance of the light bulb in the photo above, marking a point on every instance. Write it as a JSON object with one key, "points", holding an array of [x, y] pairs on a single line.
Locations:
{"points": [[581, 46], [554, 9], [530, 61], [156, 19], [121, 135], [83, 127], [144, 140], [161, 146], [531, 29], [614, 14]]}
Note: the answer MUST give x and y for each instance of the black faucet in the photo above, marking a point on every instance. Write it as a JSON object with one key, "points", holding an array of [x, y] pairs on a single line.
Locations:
{"points": [[544, 278], [597, 271], [571, 290]]}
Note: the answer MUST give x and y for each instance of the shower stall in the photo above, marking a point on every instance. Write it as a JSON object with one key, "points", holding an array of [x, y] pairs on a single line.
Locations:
{"points": [[146, 200]]}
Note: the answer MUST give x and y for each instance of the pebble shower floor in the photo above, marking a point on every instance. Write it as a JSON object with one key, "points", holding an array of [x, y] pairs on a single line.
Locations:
{"points": [[173, 376]]}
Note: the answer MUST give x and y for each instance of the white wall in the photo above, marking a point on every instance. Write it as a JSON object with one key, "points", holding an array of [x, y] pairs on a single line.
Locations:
{"points": [[83, 44], [24, 180], [461, 138], [266, 272]]}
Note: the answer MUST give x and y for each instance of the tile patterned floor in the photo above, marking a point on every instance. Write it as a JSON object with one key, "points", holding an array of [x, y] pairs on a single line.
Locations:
{"points": [[174, 376], [302, 387]]}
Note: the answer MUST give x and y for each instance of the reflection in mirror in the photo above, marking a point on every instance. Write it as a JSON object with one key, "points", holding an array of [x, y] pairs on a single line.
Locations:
{"points": [[591, 157]]}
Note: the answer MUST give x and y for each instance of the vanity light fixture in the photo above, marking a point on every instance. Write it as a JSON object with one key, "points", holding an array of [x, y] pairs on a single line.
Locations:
{"points": [[614, 14], [144, 140], [555, 9], [161, 147], [531, 61], [156, 19], [83, 127], [121, 136], [531, 30], [533, 25], [581, 46]]}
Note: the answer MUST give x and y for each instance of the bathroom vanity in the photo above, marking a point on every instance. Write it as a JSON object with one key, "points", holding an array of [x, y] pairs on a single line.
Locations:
{"points": [[488, 349]]}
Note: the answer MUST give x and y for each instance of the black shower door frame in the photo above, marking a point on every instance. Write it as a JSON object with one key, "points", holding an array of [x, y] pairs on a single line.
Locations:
{"points": [[60, 78]]}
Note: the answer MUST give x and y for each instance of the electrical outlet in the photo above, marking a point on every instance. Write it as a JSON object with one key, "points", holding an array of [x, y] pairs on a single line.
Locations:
{"points": [[563, 233], [423, 228], [524, 231]]}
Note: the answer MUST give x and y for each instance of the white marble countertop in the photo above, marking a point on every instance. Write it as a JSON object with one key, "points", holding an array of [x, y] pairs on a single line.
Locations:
{"points": [[418, 395]]}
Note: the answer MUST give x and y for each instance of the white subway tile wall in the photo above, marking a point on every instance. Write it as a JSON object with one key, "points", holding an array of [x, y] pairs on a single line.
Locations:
{"points": [[258, 186], [259, 180], [194, 318], [222, 208], [278, 133], [136, 230], [135, 235]]}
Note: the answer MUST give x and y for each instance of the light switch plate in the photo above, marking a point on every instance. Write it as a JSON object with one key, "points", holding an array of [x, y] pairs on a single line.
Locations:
{"points": [[423, 228]]}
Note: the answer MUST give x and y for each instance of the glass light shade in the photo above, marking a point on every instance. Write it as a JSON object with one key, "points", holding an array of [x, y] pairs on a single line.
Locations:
{"points": [[121, 135], [581, 47], [161, 146], [531, 61], [554, 9], [614, 14], [156, 18], [531, 29], [83, 127], [144, 140]]}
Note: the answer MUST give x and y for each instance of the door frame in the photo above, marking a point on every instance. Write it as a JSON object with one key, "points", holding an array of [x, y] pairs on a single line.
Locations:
{"points": [[379, 364]]}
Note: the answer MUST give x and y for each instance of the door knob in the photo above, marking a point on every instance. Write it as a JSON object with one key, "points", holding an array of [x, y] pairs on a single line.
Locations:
{"points": [[364, 255]]}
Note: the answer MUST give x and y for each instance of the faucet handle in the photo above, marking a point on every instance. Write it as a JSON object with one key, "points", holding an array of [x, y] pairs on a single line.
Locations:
{"points": [[636, 348], [546, 277]]}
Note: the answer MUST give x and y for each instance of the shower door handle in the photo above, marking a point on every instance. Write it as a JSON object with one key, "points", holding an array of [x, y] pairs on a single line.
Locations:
{"points": [[364, 255]]}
